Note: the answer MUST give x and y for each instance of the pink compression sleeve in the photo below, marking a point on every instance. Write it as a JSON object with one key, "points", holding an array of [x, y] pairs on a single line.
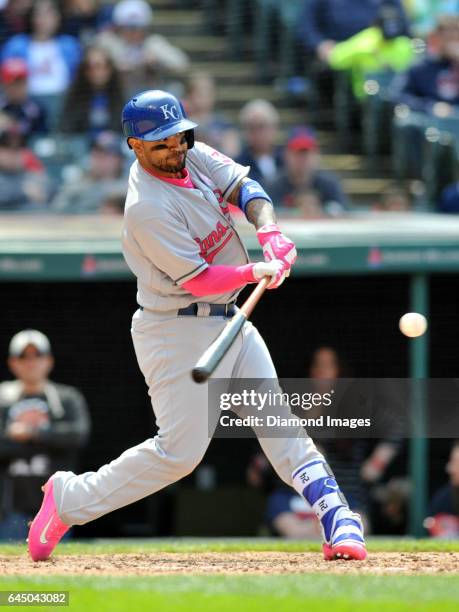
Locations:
{"points": [[220, 279]]}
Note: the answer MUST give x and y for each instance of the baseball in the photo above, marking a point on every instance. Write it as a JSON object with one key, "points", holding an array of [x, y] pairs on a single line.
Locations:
{"points": [[413, 324]]}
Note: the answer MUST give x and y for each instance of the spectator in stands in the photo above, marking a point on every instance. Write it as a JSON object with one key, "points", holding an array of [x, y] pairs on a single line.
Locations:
{"points": [[443, 518], [85, 18], [95, 99], [287, 514], [345, 455], [213, 128], [302, 172], [426, 96], [103, 177], [260, 123], [327, 22], [145, 60], [13, 17], [449, 200], [423, 14], [15, 100], [51, 58], [306, 204], [383, 47], [432, 86], [394, 199], [390, 512], [24, 185], [113, 204], [42, 426]]}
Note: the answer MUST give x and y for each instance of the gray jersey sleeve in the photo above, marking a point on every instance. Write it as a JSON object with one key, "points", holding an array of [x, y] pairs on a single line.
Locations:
{"points": [[168, 245], [225, 172]]}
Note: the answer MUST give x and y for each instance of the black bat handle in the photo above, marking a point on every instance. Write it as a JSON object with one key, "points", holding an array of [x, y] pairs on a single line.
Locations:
{"points": [[210, 359]]}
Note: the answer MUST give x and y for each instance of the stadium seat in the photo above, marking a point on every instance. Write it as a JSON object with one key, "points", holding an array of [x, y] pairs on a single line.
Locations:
{"points": [[377, 113], [407, 143]]}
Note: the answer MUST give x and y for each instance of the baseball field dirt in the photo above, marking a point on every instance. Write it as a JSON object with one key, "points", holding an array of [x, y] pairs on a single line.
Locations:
{"points": [[249, 575], [234, 563]]}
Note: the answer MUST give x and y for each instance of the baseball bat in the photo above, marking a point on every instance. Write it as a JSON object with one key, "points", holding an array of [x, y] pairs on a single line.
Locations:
{"points": [[212, 356]]}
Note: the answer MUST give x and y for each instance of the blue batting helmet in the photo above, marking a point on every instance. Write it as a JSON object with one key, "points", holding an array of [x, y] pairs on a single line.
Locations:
{"points": [[155, 115]]}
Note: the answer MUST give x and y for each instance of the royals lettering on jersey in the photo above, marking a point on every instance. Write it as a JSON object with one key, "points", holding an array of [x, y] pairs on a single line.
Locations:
{"points": [[214, 242]]}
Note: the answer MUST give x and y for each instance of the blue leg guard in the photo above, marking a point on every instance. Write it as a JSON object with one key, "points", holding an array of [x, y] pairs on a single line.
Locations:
{"points": [[316, 483]]}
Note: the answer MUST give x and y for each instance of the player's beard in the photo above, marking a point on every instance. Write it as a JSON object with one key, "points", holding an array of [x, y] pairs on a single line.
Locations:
{"points": [[167, 166]]}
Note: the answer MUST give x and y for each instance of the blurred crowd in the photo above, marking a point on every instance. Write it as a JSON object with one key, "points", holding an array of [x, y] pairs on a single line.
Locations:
{"points": [[67, 67], [66, 70], [392, 69]]}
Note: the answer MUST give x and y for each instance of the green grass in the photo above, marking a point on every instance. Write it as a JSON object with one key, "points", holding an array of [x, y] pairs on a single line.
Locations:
{"points": [[247, 593], [191, 545], [219, 593]]}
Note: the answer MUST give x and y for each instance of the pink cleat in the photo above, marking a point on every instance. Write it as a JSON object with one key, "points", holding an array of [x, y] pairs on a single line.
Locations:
{"points": [[347, 541], [47, 528], [350, 550]]}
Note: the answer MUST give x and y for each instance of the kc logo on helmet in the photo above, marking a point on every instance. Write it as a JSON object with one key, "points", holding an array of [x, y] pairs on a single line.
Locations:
{"points": [[171, 113]]}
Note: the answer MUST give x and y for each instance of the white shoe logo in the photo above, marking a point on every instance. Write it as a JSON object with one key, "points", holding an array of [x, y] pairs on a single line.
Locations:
{"points": [[329, 486], [43, 539]]}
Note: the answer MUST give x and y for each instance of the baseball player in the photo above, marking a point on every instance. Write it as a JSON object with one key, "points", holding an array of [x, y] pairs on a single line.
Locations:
{"points": [[181, 243]]}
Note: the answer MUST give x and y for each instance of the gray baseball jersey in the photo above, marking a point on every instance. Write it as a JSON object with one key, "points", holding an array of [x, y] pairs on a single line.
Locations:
{"points": [[172, 233]]}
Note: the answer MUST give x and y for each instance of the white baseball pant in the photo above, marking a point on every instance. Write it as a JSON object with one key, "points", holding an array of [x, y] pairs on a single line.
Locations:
{"points": [[167, 347]]}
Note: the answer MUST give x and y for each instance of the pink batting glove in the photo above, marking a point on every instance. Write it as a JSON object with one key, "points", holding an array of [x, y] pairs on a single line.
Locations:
{"points": [[276, 245]]}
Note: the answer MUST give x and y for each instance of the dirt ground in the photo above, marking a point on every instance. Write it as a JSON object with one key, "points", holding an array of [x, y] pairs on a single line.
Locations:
{"points": [[261, 563]]}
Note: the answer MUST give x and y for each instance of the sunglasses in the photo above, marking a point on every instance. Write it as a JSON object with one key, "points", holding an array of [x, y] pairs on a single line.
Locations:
{"points": [[97, 66], [36, 355]]}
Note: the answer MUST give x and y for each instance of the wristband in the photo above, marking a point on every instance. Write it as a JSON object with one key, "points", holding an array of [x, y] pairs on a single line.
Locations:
{"points": [[251, 190], [270, 228]]}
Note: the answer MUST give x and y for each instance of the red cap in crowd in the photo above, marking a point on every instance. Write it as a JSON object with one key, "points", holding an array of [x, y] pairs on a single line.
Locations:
{"points": [[302, 139], [12, 70]]}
